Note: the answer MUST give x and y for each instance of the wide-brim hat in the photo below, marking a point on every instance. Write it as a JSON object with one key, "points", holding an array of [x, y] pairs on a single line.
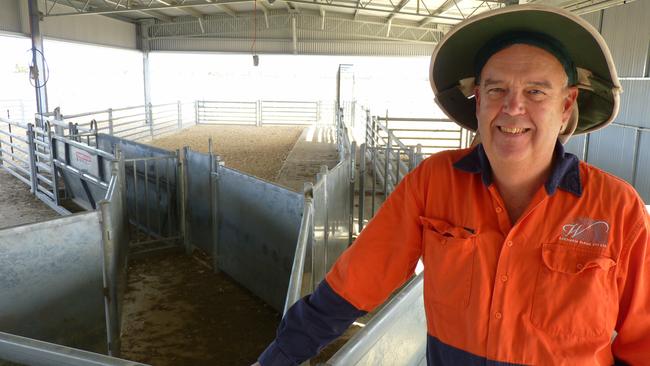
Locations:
{"points": [[452, 64]]}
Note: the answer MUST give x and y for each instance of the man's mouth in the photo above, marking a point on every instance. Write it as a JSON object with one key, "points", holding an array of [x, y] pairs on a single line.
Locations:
{"points": [[513, 131]]}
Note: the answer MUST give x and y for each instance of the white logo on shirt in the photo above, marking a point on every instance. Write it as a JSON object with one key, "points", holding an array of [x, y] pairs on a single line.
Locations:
{"points": [[586, 231]]}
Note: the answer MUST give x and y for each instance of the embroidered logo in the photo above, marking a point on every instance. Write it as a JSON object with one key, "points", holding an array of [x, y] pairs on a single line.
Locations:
{"points": [[586, 231]]}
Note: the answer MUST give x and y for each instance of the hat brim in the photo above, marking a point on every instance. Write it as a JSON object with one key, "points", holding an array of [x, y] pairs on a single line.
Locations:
{"points": [[453, 61]]}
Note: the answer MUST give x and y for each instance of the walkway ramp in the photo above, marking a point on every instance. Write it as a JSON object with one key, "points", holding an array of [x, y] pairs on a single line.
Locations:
{"points": [[315, 147]]}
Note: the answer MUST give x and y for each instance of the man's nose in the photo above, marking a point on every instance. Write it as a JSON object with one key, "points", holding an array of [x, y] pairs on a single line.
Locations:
{"points": [[513, 103]]}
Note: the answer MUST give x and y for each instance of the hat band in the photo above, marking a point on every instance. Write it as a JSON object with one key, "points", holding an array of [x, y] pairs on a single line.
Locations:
{"points": [[543, 41]]}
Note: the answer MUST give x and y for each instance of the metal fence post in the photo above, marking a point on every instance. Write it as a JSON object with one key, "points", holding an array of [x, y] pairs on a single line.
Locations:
{"points": [[214, 208], [353, 152], [180, 115], [196, 112], [110, 121], [387, 165], [318, 110], [150, 118], [418, 155], [258, 113], [11, 143], [326, 224], [51, 144], [411, 158], [362, 186], [182, 201], [32, 157]]}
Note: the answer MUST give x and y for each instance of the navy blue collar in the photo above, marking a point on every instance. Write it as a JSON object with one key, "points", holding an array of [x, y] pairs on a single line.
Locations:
{"points": [[565, 173]]}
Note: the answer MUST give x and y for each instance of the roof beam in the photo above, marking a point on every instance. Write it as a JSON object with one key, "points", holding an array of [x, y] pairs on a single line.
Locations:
{"points": [[443, 8], [356, 12], [192, 11], [333, 4], [397, 9], [158, 15], [225, 9]]}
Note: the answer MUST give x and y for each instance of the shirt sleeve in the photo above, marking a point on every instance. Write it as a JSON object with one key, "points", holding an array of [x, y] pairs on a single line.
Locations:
{"points": [[308, 326], [381, 259], [632, 343], [386, 252]]}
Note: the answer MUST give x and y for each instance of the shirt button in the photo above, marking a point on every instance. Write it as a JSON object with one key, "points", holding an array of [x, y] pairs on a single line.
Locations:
{"points": [[509, 243], [499, 209], [504, 278], [579, 266], [497, 315]]}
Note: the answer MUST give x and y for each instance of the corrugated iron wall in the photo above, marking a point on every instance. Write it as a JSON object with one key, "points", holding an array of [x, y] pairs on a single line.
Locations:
{"points": [[623, 148]]}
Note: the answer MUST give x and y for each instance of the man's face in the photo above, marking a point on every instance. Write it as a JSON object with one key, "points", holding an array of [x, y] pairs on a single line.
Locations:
{"points": [[522, 103]]}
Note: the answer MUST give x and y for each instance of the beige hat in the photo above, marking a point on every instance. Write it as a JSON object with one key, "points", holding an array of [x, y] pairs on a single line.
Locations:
{"points": [[452, 70]]}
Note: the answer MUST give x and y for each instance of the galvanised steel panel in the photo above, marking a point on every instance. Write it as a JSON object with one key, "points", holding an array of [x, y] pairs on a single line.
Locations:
{"points": [[626, 29], [396, 335], [10, 16], [321, 231], [258, 232], [198, 209], [642, 181], [84, 193], [612, 149], [576, 146], [51, 283], [338, 210], [635, 109], [116, 248]]}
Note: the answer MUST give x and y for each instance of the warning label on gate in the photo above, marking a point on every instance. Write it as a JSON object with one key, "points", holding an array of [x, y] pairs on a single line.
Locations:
{"points": [[83, 158]]}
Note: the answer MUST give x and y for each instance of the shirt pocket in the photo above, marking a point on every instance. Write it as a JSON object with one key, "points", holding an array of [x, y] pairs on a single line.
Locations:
{"points": [[448, 256], [573, 292]]}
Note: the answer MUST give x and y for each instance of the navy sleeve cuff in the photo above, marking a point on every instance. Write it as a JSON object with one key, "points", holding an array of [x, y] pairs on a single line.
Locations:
{"points": [[308, 326], [273, 356]]}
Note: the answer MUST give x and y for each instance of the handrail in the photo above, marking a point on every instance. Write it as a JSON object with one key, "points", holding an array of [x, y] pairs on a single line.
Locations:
{"points": [[24, 350], [295, 280]]}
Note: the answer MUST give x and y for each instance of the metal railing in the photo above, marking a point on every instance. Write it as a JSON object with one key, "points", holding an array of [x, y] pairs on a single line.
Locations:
{"points": [[135, 123], [264, 112], [395, 146]]}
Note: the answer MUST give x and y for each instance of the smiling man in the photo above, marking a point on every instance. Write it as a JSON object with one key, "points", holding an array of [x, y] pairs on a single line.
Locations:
{"points": [[531, 257]]}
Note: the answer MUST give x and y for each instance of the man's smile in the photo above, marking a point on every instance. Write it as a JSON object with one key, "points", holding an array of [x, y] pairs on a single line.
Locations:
{"points": [[513, 130]]}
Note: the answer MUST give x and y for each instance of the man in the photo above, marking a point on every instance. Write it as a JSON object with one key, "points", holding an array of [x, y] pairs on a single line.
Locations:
{"points": [[530, 256]]}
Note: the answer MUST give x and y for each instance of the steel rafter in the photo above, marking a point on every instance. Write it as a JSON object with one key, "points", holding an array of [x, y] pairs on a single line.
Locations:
{"points": [[306, 21], [106, 7]]}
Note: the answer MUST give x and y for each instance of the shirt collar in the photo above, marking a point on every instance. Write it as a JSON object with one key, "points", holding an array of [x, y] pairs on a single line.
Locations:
{"points": [[565, 173]]}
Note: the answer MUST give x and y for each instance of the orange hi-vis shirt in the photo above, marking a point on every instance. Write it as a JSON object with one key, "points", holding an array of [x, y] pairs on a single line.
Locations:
{"points": [[553, 288]]}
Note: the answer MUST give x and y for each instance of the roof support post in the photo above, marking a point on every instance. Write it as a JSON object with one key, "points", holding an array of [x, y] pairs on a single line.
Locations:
{"points": [[144, 42], [295, 36], [38, 73]]}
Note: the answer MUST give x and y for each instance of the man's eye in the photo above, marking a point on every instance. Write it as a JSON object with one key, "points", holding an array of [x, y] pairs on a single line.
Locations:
{"points": [[536, 92], [495, 90]]}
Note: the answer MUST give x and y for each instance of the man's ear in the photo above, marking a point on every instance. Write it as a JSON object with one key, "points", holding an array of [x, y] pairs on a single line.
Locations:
{"points": [[477, 97], [569, 101]]}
